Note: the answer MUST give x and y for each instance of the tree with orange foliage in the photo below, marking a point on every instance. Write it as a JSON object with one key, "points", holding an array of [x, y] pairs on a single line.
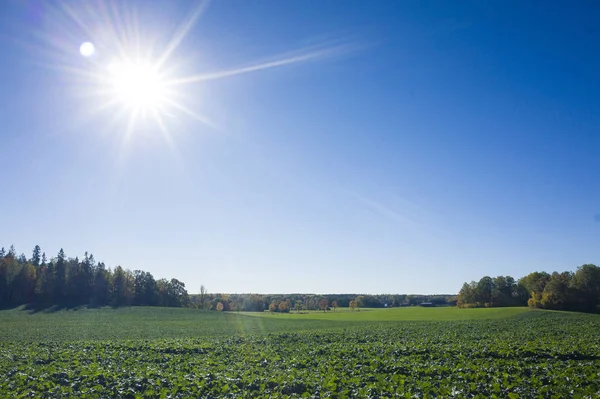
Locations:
{"points": [[334, 305], [283, 307], [219, 307], [324, 304]]}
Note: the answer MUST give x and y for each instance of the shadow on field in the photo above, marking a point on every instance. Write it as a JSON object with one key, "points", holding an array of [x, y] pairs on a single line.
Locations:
{"points": [[33, 308]]}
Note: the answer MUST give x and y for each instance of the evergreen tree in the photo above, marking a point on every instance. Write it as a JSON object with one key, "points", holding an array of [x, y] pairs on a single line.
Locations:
{"points": [[71, 281], [60, 279], [36, 256]]}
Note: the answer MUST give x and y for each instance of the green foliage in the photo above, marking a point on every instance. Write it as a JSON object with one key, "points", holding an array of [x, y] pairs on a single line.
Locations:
{"points": [[516, 357], [74, 282], [557, 291], [260, 303]]}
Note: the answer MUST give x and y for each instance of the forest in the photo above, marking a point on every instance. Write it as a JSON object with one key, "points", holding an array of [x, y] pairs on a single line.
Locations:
{"points": [[64, 281], [579, 290], [283, 303], [69, 282]]}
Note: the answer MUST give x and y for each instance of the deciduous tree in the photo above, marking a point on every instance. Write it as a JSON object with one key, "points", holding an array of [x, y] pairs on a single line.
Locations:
{"points": [[283, 306], [323, 304]]}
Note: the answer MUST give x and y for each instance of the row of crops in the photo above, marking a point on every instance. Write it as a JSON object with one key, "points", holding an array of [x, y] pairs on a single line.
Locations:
{"points": [[538, 354]]}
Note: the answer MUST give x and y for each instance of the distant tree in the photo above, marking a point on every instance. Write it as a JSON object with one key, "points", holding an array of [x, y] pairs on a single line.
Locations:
{"points": [[145, 289], [352, 305], [85, 279], [283, 307], [298, 306], [78, 282], [202, 298], [561, 291], [334, 305], [466, 297], [73, 282], [502, 291], [536, 300], [323, 304], [45, 284], [172, 293], [60, 279], [2, 252], [272, 307], [101, 287], [6, 266], [22, 259], [23, 285], [483, 291], [586, 282], [36, 256], [180, 293], [451, 300], [255, 303], [219, 307], [122, 288], [557, 294], [535, 282], [360, 302]]}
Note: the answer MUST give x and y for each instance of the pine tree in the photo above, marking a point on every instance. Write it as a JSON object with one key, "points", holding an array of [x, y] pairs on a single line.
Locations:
{"points": [[60, 280], [35, 257]]}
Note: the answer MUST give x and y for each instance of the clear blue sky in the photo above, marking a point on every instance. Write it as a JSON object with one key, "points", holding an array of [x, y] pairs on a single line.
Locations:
{"points": [[424, 144]]}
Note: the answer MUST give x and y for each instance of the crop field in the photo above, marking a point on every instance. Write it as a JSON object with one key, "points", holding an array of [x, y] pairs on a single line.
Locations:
{"points": [[180, 353]]}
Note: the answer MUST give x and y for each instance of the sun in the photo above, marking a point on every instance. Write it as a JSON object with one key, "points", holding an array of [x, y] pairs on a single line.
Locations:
{"points": [[137, 85]]}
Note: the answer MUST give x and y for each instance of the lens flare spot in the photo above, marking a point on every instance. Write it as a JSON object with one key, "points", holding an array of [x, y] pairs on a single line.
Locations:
{"points": [[87, 49]]}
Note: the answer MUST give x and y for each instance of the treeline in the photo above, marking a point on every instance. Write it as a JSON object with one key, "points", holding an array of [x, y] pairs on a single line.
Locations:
{"points": [[75, 282], [578, 291], [302, 302]]}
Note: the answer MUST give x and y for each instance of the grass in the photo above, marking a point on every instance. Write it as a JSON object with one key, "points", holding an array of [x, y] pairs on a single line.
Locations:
{"points": [[404, 353], [402, 314], [401, 353], [154, 323], [135, 323]]}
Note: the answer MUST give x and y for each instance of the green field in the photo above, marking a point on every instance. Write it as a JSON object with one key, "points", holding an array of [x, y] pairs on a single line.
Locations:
{"points": [[405, 352], [400, 314]]}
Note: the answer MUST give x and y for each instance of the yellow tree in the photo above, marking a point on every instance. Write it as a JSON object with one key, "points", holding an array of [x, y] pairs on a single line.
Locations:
{"points": [[352, 305], [219, 307], [272, 307], [360, 301]]}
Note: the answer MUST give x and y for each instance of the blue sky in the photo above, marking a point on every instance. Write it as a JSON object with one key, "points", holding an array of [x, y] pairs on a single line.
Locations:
{"points": [[418, 145]]}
